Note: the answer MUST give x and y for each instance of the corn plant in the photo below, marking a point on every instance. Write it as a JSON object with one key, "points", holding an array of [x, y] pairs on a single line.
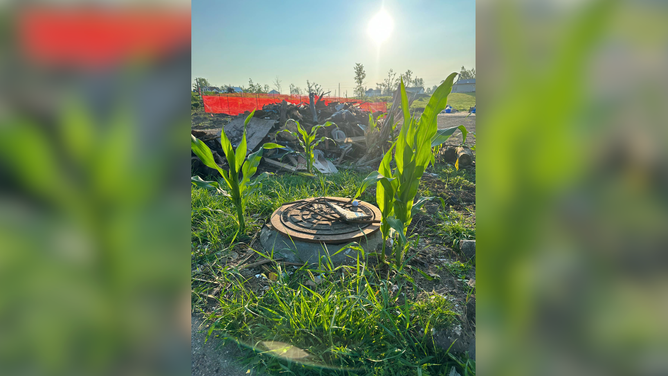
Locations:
{"points": [[412, 155], [307, 141], [239, 190]]}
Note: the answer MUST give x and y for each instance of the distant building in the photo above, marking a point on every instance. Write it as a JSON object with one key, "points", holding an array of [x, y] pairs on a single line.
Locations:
{"points": [[273, 92], [464, 86], [373, 93], [237, 89], [415, 90]]}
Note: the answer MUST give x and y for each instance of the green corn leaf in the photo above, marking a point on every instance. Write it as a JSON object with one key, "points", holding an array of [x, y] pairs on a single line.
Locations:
{"points": [[249, 168], [404, 102], [242, 149], [372, 178], [385, 191], [442, 135], [465, 133], [240, 154], [210, 185], [315, 128], [438, 100], [398, 226], [301, 131], [429, 118], [229, 152], [271, 145], [204, 154], [323, 138]]}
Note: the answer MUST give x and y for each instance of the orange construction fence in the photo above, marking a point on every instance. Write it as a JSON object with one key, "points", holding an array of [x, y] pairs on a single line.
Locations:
{"points": [[235, 104]]}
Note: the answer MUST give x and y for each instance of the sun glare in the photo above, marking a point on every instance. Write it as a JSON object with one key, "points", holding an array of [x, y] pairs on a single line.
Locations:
{"points": [[380, 26]]}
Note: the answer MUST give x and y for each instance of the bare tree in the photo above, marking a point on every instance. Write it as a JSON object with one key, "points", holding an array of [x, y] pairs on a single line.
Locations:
{"points": [[277, 84], [314, 88]]}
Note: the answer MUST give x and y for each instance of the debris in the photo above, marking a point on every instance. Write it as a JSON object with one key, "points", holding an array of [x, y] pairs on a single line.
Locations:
{"points": [[464, 155], [256, 130], [347, 215], [280, 165], [322, 164]]}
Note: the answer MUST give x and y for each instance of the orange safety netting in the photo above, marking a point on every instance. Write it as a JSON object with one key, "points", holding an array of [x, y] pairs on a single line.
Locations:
{"points": [[235, 104]]}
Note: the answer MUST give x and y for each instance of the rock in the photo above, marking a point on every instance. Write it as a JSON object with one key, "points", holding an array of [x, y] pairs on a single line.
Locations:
{"points": [[468, 248], [460, 340]]}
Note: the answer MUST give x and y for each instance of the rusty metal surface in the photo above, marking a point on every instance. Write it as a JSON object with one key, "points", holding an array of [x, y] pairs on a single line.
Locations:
{"points": [[312, 220]]}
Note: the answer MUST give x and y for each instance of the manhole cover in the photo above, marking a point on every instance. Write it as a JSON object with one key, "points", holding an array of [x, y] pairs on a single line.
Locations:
{"points": [[313, 220]]}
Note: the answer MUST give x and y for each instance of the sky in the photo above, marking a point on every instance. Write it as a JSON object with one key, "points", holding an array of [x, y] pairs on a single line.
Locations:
{"points": [[321, 41]]}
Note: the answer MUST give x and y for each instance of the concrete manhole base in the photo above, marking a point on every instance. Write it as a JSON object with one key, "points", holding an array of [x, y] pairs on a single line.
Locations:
{"points": [[294, 250]]}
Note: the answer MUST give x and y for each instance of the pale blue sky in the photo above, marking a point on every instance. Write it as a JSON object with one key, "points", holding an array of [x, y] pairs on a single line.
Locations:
{"points": [[321, 41]]}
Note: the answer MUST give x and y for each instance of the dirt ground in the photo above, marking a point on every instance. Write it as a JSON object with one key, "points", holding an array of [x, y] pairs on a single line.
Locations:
{"points": [[213, 358], [455, 120]]}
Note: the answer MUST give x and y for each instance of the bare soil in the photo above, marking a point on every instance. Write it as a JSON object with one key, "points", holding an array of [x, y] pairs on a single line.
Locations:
{"points": [[213, 358], [455, 120]]}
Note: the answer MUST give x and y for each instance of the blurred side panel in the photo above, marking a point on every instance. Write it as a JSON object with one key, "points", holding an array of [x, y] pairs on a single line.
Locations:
{"points": [[572, 187], [94, 189]]}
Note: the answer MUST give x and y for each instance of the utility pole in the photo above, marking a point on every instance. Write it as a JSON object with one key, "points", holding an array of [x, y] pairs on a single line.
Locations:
{"points": [[339, 90]]}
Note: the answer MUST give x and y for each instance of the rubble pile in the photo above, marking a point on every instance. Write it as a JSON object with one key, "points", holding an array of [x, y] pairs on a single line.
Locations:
{"points": [[349, 131]]}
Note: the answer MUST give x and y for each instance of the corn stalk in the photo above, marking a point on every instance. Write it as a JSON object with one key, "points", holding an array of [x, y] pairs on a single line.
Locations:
{"points": [[239, 190], [307, 141], [412, 155]]}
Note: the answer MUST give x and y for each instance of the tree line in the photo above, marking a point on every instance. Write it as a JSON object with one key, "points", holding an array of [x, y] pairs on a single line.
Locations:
{"points": [[392, 80], [386, 87]]}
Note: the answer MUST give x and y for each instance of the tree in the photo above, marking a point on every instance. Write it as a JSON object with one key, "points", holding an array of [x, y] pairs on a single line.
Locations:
{"points": [[265, 89], [230, 89], [407, 77], [294, 90], [389, 83], [418, 82], [201, 84], [277, 84], [465, 74], [360, 75]]}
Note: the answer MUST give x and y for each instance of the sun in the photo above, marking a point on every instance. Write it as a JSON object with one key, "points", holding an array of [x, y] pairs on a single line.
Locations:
{"points": [[380, 26]]}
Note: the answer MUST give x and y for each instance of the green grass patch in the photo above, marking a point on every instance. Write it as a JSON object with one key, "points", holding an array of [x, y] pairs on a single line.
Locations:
{"points": [[458, 101], [213, 218], [348, 320], [454, 226], [353, 322]]}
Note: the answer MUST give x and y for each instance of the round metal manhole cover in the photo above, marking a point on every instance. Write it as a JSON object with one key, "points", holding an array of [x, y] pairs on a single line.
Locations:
{"points": [[313, 220]]}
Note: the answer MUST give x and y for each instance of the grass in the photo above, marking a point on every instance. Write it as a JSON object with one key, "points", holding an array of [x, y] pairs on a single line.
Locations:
{"points": [[353, 322], [458, 101], [349, 320]]}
